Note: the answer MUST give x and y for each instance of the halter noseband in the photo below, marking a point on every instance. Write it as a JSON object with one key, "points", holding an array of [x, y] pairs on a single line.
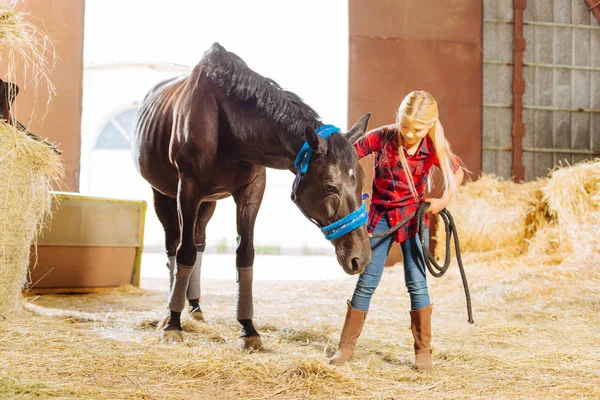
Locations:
{"points": [[347, 224]]}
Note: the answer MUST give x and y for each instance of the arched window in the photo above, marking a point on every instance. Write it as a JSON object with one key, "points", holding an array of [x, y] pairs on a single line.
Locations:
{"points": [[115, 134]]}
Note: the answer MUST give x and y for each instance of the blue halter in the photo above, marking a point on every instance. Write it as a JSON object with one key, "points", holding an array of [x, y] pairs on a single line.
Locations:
{"points": [[345, 225]]}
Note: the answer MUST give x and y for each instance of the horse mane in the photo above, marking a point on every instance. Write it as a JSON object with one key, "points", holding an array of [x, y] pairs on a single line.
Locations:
{"points": [[230, 72]]}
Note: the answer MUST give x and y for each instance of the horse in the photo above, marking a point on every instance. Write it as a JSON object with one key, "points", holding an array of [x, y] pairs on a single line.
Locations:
{"points": [[8, 94], [209, 135]]}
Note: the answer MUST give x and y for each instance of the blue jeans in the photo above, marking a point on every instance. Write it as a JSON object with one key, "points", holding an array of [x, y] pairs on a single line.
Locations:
{"points": [[414, 270]]}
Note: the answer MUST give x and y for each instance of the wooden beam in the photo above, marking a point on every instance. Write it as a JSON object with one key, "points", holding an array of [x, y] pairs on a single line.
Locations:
{"points": [[518, 128]]}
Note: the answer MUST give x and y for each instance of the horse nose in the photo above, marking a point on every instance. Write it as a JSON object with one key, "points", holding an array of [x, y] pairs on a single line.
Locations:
{"points": [[358, 264]]}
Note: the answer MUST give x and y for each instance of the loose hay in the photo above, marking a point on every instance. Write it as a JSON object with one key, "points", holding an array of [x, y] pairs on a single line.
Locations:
{"points": [[28, 168], [535, 337], [28, 53]]}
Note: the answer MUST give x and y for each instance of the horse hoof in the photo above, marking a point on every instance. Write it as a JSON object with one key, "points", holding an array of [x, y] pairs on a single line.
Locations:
{"points": [[252, 343], [171, 336], [197, 315], [162, 323]]}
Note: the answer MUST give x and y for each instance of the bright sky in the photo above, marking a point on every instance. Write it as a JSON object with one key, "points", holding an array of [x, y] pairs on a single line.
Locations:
{"points": [[303, 45]]}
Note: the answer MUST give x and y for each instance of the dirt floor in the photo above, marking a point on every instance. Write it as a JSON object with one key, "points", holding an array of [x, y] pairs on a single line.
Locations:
{"points": [[536, 336]]}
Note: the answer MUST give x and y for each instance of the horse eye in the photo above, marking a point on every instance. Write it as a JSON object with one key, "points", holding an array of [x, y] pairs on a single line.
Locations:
{"points": [[331, 189]]}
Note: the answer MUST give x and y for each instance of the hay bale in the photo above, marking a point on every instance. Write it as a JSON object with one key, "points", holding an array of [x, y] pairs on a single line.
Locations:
{"points": [[550, 220], [495, 216], [547, 245], [573, 197], [28, 167]]}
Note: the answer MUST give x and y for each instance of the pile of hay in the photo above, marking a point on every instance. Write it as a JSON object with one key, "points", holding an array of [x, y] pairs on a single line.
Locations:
{"points": [[573, 197], [28, 167], [550, 219], [495, 216]]}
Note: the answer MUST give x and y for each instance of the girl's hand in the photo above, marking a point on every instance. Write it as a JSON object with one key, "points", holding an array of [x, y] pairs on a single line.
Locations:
{"points": [[436, 206]]}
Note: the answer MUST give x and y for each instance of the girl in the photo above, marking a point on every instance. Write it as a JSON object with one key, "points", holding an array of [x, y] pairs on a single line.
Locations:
{"points": [[403, 156]]}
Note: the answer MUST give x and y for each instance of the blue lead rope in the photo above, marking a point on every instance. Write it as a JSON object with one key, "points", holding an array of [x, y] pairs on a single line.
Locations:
{"points": [[345, 225]]}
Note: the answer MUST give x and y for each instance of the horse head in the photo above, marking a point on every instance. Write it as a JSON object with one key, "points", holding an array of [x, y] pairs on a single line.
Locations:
{"points": [[330, 194]]}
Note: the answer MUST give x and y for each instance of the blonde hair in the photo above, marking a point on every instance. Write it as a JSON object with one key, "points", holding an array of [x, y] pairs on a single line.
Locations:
{"points": [[420, 106]]}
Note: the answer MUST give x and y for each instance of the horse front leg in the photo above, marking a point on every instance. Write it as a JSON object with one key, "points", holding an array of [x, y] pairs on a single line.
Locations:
{"points": [[188, 202], [248, 200]]}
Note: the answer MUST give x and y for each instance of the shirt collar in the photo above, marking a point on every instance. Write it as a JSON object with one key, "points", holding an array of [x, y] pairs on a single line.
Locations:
{"points": [[425, 147]]}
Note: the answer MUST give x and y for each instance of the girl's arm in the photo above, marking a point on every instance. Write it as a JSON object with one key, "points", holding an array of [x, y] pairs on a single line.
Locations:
{"points": [[438, 205], [373, 140]]}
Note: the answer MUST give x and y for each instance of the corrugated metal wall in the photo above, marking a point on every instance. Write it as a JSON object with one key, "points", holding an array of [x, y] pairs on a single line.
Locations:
{"points": [[497, 87], [562, 74]]}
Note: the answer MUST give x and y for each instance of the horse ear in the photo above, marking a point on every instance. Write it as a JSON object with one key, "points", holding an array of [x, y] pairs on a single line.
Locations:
{"points": [[315, 142], [359, 129]]}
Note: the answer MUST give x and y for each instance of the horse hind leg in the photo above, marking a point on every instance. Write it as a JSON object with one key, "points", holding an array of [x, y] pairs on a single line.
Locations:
{"points": [[194, 291], [248, 200]]}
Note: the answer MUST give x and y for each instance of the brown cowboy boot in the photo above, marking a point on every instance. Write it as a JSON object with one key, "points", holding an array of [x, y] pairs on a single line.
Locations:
{"points": [[420, 324], [355, 319]]}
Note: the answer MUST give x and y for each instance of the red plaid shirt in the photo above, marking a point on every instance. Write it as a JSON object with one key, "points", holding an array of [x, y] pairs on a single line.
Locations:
{"points": [[391, 189]]}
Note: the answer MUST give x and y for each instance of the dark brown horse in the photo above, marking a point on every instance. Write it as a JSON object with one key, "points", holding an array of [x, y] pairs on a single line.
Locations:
{"points": [[8, 93], [210, 135]]}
